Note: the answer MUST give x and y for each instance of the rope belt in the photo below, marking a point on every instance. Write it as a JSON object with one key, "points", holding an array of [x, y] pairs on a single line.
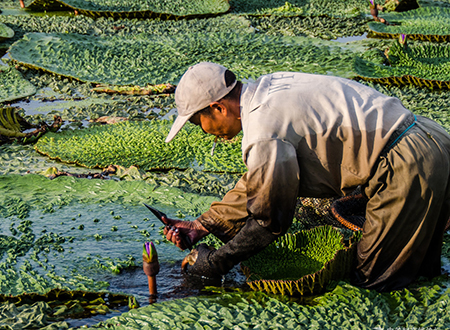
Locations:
{"points": [[399, 132]]}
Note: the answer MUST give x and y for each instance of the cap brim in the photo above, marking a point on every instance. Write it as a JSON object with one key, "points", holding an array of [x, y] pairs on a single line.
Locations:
{"points": [[177, 126]]}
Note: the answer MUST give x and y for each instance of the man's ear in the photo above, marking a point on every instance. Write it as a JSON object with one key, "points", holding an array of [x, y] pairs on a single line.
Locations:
{"points": [[219, 107]]}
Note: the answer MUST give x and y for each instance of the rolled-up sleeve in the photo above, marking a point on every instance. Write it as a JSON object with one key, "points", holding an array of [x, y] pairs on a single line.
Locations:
{"points": [[268, 192], [224, 219], [272, 183]]}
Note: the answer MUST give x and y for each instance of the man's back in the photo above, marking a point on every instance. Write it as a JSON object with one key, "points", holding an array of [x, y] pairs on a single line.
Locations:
{"points": [[338, 127]]}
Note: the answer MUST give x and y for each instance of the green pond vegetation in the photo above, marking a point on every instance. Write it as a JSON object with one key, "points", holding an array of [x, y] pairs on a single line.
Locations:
{"points": [[344, 306], [166, 9], [12, 85], [421, 64], [70, 236], [350, 8], [141, 143], [424, 23], [144, 59], [301, 263], [5, 32]]}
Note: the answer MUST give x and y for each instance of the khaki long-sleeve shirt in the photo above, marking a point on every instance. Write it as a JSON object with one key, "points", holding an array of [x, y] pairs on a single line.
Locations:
{"points": [[303, 135]]}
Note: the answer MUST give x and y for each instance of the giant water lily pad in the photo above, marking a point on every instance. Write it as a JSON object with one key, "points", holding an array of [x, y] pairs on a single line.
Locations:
{"points": [[350, 8], [142, 144], [12, 85], [39, 310], [421, 65], [145, 59], [345, 307], [5, 32], [301, 263], [424, 23], [136, 9]]}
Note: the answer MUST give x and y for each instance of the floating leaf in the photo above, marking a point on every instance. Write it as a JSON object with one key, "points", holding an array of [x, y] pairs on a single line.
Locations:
{"points": [[142, 144], [12, 85], [421, 65], [5, 32], [301, 263], [146, 59], [424, 23], [164, 9], [349, 8]]}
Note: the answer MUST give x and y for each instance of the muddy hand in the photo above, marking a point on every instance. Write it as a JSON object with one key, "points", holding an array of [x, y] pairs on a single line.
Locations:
{"points": [[190, 259], [198, 262], [193, 230]]}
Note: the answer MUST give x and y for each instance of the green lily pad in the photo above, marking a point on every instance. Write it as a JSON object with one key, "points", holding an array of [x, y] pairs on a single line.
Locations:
{"points": [[13, 86], [142, 144], [423, 23], [419, 64], [65, 303], [351, 8], [301, 263], [166, 9], [146, 59], [5, 32]]}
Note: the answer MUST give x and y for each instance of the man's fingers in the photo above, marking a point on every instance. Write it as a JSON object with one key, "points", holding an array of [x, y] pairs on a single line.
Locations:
{"points": [[172, 235]]}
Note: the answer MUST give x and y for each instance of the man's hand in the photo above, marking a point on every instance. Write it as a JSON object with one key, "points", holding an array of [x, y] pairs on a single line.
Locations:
{"points": [[192, 229], [197, 262]]}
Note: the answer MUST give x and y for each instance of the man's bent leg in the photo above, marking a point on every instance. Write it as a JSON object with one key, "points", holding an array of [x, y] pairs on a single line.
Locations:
{"points": [[406, 213]]}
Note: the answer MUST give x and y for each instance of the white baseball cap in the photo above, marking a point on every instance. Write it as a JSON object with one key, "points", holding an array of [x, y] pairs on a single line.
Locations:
{"points": [[200, 85]]}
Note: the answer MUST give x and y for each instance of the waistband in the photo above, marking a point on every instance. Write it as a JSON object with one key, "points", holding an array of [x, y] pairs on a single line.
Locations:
{"points": [[398, 133]]}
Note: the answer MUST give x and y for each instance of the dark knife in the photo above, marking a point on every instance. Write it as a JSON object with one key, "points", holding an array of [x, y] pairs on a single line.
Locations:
{"points": [[185, 239]]}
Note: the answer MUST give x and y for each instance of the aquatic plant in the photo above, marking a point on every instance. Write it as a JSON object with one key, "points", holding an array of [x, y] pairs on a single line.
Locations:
{"points": [[39, 310], [167, 9], [298, 7], [37, 258], [11, 124], [107, 26], [301, 263], [135, 90], [145, 59], [5, 32], [399, 5], [12, 85], [425, 65], [12, 127], [424, 23], [317, 26], [141, 143], [149, 253], [345, 306]]}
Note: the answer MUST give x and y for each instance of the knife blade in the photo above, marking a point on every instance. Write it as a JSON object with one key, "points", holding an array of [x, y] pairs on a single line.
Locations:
{"points": [[185, 239]]}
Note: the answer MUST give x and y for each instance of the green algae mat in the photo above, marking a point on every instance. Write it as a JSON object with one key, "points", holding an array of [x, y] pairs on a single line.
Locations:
{"points": [[12, 85], [145, 59], [300, 263], [166, 9], [141, 143], [418, 64], [424, 23]]}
